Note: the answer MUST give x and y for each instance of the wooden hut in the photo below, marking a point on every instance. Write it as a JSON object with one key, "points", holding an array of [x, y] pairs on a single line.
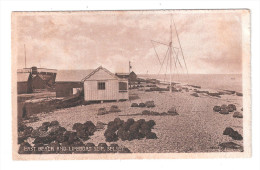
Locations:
{"points": [[24, 83], [68, 82], [102, 85]]}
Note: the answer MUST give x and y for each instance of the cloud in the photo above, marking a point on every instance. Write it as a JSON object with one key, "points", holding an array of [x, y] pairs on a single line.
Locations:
{"points": [[112, 39]]}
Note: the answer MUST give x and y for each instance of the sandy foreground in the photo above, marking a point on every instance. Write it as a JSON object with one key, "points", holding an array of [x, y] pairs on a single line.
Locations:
{"points": [[197, 128]]}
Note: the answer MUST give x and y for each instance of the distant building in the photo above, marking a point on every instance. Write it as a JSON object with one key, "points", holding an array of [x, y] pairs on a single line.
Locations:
{"points": [[132, 77], [101, 85], [41, 78], [68, 82], [24, 83], [122, 75]]}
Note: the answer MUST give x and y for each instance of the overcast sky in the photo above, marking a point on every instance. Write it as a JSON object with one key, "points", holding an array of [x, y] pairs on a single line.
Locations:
{"points": [[211, 40]]}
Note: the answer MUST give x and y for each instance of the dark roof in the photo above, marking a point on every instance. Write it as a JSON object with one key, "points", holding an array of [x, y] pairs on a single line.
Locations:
{"points": [[72, 75], [22, 77]]}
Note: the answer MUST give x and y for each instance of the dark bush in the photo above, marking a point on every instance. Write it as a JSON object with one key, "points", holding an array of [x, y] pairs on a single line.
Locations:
{"points": [[146, 112], [224, 111], [142, 105], [151, 123], [149, 104], [195, 94], [236, 136], [46, 124], [54, 123], [77, 126], [102, 111], [134, 105], [228, 131], [231, 107], [151, 135], [90, 127], [238, 115], [216, 108], [110, 136]]}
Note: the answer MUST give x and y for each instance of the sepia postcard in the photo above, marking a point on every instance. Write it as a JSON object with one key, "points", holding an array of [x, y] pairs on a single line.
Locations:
{"points": [[155, 84]]}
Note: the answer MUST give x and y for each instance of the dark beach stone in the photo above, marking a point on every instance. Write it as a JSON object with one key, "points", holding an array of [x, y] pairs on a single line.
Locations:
{"points": [[216, 108], [195, 94], [230, 145], [43, 128], [239, 94], [39, 133], [163, 114], [90, 127], [112, 126], [154, 113], [228, 131], [231, 107], [21, 139], [224, 111], [82, 134], [110, 135], [46, 124], [214, 94], [21, 127], [146, 112], [140, 122], [151, 135], [114, 108], [238, 115], [118, 122], [223, 106], [151, 123], [27, 131], [150, 104], [172, 111], [72, 137], [60, 138], [100, 125], [142, 105], [236, 136], [77, 126], [134, 105], [54, 130], [54, 123], [102, 111]]}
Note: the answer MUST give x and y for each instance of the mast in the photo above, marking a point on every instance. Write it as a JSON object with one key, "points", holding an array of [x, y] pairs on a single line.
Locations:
{"points": [[24, 56], [170, 55]]}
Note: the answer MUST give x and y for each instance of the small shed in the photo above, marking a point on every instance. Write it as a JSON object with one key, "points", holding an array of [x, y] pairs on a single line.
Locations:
{"points": [[132, 77], [102, 85], [38, 82], [24, 83], [68, 82]]}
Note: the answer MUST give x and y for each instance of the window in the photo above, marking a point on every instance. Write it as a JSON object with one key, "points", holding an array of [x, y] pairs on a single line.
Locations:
{"points": [[122, 87], [101, 86]]}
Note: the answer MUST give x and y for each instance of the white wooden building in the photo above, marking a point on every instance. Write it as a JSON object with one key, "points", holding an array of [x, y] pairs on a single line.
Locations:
{"points": [[101, 85]]}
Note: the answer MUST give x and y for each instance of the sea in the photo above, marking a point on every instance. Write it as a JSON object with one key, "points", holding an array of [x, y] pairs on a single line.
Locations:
{"points": [[206, 81]]}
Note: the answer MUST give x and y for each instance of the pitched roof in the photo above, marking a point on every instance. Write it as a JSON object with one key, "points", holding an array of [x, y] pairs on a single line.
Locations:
{"points": [[96, 70], [22, 77], [72, 75]]}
